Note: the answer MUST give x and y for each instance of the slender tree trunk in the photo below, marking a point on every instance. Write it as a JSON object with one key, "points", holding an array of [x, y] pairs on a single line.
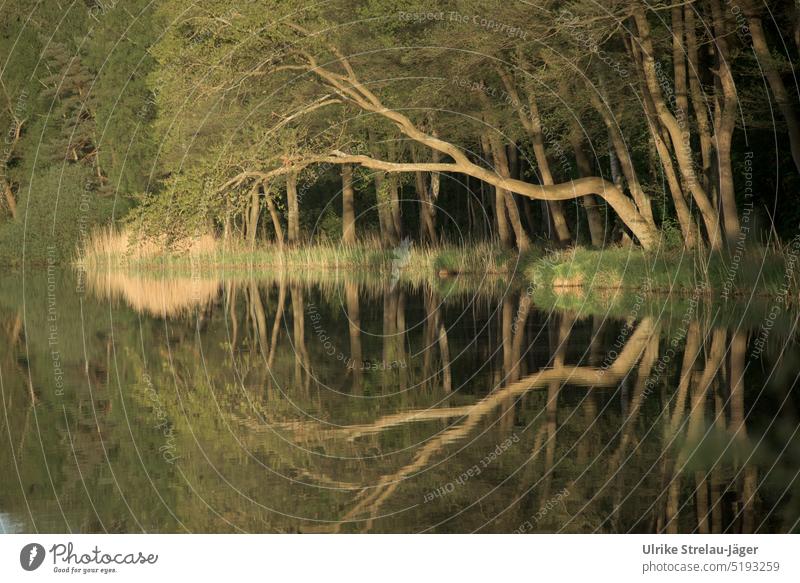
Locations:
{"points": [[698, 101], [773, 75], [624, 159], [348, 206], [725, 123], [532, 122], [388, 236], [427, 218], [689, 228], [255, 211], [276, 221], [555, 207], [590, 205], [502, 167], [293, 209], [499, 203], [394, 197], [427, 211], [11, 201], [382, 200], [678, 131]]}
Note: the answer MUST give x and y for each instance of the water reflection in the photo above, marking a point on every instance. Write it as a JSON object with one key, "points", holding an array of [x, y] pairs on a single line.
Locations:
{"points": [[289, 405]]}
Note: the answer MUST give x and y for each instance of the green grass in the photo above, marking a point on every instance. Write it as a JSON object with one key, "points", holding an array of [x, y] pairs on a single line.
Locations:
{"points": [[368, 255], [756, 271], [582, 272]]}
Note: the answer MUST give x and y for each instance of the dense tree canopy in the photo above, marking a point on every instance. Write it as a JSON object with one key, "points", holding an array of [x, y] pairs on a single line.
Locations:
{"points": [[572, 122]]}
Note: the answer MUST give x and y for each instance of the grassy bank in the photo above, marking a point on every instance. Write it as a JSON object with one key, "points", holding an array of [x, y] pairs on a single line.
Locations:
{"points": [[757, 271], [112, 250], [573, 273]]}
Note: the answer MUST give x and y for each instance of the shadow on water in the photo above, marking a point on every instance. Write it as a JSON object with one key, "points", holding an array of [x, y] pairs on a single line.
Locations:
{"points": [[353, 404]]}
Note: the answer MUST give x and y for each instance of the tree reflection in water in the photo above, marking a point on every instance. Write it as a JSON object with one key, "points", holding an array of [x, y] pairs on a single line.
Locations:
{"points": [[342, 405]]}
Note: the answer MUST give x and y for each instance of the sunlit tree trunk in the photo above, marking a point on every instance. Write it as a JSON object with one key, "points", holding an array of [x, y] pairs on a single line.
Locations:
{"points": [[726, 112], [678, 130], [276, 221]]}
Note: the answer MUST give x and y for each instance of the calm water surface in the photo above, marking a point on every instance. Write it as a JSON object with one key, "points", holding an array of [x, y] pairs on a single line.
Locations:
{"points": [[287, 404]]}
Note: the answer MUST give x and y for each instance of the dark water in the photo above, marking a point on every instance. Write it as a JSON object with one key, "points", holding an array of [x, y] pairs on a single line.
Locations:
{"points": [[293, 405]]}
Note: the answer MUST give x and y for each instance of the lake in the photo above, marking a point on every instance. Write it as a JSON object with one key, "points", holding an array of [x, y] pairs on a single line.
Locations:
{"points": [[348, 403]]}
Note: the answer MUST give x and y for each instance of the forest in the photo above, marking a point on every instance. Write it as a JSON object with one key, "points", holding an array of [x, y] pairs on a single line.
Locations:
{"points": [[246, 131], [413, 266]]}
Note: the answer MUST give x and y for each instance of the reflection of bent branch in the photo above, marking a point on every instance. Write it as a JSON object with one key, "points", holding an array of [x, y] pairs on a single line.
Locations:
{"points": [[573, 375]]}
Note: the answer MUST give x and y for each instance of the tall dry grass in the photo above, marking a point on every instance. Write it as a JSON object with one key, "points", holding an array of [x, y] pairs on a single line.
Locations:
{"points": [[109, 247], [162, 297]]}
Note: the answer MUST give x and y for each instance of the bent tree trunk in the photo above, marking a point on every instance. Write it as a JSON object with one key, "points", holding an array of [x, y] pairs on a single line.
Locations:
{"points": [[774, 79], [350, 88], [348, 206], [678, 131], [273, 214]]}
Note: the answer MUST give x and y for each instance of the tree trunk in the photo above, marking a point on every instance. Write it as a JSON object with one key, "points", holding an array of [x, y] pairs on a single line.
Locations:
{"points": [[623, 157], [293, 209], [11, 201], [776, 85], [532, 122], [427, 218], [255, 211], [276, 221], [394, 197], [725, 123], [382, 200], [499, 204], [388, 236], [590, 204], [689, 228], [555, 207], [698, 101], [502, 167], [678, 132], [348, 206]]}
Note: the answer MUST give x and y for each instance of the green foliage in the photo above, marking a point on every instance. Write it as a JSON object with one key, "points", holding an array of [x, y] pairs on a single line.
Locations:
{"points": [[59, 209]]}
